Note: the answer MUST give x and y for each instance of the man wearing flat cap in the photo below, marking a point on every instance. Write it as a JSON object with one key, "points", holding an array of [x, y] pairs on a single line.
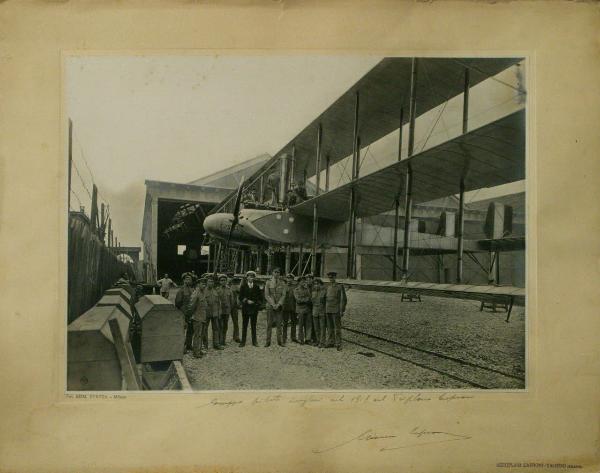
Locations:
{"points": [[250, 300], [335, 306]]}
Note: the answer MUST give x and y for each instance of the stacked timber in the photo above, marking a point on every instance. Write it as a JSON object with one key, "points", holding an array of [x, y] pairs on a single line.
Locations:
{"points": [[92, 360]]}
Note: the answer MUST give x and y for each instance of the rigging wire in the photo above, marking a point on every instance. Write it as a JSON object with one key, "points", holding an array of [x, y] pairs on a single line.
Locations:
{"points": [[77, 197], [474, 68]]}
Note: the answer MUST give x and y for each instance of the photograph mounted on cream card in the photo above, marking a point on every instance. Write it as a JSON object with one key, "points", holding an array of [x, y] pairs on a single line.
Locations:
{"points": [[296, 222]]}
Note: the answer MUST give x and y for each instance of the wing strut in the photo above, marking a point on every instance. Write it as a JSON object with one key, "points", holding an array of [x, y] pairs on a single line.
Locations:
{"points": [[397, 205], [409, 173], [461, 201], [313, 262], [350, 271]]}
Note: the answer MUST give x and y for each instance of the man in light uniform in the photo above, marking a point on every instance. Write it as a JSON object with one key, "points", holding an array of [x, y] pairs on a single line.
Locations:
{"points": [[165, 285], [318, 311], [302, 295], [213, 314], [199, 309], [289, 310], [335, 306], [310, 280], [226, 298], [275, 292], [234, 285]]}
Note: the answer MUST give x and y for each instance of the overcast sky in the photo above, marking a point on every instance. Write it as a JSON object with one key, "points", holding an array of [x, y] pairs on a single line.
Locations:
{"points": [[178, 118]]}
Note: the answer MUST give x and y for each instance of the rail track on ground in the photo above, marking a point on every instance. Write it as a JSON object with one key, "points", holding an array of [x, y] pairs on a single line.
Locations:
{"points": [[466, 372]]}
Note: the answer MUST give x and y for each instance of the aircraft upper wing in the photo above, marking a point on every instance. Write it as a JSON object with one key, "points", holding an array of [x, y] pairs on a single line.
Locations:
{"points": [[491, 155], [383, 91]]}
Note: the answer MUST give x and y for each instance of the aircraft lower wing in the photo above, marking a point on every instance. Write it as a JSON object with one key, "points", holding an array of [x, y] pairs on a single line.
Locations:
{"points": [[488, 156], [508, 295]]}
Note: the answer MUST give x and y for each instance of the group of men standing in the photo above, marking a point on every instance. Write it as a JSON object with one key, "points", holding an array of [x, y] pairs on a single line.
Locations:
{"points": [[312, 310]]}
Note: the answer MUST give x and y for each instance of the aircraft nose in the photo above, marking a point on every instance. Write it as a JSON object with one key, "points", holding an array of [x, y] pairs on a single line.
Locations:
{"points": [[212, 225]]}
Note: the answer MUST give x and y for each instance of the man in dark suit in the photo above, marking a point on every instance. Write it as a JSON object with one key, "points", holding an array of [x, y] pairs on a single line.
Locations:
{"points": [[250, 299]]}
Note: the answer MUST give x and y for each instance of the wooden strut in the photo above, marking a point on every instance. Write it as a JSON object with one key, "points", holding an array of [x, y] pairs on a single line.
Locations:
{"points": [[261, 192], [283, 178], [461, 202], [269, 259], [327, 170], [126, 359], [313, 262], [409, 175], [70, 163], [292, 169], [352, 216], [397, 205], [461, 227], [288, 259], [182, 376]]}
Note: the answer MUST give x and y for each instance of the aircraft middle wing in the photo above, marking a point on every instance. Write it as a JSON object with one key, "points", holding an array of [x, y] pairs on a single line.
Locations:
{"points": [[488, 156]]}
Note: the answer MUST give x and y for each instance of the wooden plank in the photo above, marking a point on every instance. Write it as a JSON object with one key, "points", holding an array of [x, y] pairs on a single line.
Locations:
{"points": [[128, 367], [181, 374]]}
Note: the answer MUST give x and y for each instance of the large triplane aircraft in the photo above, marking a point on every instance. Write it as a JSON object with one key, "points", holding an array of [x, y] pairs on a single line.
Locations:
{"points": [[396, 92]]}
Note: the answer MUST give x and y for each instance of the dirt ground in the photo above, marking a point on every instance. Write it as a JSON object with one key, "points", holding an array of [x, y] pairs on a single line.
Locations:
{"points": [[448, 326]]}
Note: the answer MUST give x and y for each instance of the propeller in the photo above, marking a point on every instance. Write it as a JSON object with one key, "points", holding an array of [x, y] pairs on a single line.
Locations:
{"points": [[234, 222], [236, 211]]}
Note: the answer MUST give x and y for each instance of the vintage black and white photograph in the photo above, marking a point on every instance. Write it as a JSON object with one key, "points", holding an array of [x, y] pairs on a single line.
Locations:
{"points": [[296, 222]]}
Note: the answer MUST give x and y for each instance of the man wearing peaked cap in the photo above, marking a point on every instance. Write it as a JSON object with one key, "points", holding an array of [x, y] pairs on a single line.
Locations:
{"points": [[335, 306], [250, 298], [234, 284], [302, 296], [182, 302], [226, 298], [275, 292], [289, 309]]}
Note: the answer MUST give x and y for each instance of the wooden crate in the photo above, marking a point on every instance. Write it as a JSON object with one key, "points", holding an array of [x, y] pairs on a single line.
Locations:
{"points": [[119, 291], [116, 300], [163, 329], [92, 360]]}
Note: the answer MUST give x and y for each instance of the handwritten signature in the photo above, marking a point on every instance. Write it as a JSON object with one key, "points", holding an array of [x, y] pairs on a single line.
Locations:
{"points": [[425, 437]]}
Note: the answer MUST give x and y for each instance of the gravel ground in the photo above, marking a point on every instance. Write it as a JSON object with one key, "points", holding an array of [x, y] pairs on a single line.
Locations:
{"points": [[449, 326]]}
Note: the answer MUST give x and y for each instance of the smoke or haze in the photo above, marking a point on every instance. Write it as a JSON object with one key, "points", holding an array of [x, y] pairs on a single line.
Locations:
{"points": [[177, 118]]}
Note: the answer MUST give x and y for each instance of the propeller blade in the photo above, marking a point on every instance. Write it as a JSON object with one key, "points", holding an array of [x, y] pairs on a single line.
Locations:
{"points": [[236, 212]]}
